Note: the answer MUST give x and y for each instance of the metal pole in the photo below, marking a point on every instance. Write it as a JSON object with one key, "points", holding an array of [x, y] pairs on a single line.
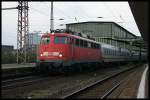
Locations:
{"points": [[10, 8], [52, 18], [22, 31]]}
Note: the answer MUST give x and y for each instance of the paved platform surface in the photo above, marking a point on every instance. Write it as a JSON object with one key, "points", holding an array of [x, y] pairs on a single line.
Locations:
{"points": [[144, 85], [9, 66]]}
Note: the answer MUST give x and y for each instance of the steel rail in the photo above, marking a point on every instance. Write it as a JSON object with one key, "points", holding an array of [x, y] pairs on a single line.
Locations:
{"points": [[114, 87], [27, 76], [23, 80], [98, 82]]}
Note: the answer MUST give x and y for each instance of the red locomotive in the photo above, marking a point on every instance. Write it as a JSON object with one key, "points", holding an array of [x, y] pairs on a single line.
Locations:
{"points": [[60, 50]]}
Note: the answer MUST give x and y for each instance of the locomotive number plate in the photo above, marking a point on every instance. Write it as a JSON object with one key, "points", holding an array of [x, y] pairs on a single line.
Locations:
{"points": [[45, 53]]}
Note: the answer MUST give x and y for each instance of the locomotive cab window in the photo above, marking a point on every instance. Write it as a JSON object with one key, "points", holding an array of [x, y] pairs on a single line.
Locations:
{"points": [[60, 40], [45, 40]]}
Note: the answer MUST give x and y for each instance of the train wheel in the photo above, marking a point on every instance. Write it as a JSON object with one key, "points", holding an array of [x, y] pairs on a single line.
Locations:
{"points": [[63, 70], [38, 68], [79, 68]]}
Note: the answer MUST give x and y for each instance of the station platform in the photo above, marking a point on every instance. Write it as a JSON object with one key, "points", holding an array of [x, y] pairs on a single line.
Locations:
{"points": [[144, 85], [11, 66], [9, 70]]}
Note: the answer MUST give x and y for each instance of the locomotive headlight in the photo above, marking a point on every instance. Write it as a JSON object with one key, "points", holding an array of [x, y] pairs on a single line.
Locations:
{"points": [[60, 55], [41, 55]]}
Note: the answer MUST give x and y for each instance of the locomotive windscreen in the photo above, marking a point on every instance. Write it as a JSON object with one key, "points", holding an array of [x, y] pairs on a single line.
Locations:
{"points": [[45, 40]]}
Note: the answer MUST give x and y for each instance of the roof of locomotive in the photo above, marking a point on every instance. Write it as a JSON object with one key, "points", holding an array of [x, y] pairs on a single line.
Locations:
{"points": [[69, 35], [75, 36], [55, 34]]}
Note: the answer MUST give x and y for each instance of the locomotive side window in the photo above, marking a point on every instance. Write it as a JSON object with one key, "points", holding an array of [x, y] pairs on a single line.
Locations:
{"points": [[81, 43], [71, 40], [85, 44], [97, 46], [89, 45], [45, 40], [77, 42], [92, 45], [61, 40]]}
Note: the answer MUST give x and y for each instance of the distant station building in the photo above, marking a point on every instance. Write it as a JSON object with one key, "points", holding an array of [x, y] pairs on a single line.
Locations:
{"points": [[8, 54], [106, 32], [7, 48], [33, 39]]}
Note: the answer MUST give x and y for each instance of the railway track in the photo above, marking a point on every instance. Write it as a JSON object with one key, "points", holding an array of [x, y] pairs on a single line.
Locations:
{"points": [[87, 91], [19, 75], [62, 90], [22, 81]]}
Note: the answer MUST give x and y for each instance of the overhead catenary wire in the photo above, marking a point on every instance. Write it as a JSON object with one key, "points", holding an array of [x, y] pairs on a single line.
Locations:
{"points": [[83, 12], [122, 20], [68, 16], [112, 13]]}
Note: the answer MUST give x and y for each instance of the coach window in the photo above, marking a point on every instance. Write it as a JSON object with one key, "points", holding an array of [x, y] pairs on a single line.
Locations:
{"points": [[110, 51], [97, 46], [106, 51], [61, 40]]}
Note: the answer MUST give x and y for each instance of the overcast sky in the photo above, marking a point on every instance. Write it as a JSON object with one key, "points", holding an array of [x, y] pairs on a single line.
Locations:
{"points": [[39, 16]]}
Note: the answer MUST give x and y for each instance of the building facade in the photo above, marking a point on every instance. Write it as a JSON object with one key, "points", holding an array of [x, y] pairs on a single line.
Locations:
{"points": [[33, 39], [7, 48], [105, 32]]}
